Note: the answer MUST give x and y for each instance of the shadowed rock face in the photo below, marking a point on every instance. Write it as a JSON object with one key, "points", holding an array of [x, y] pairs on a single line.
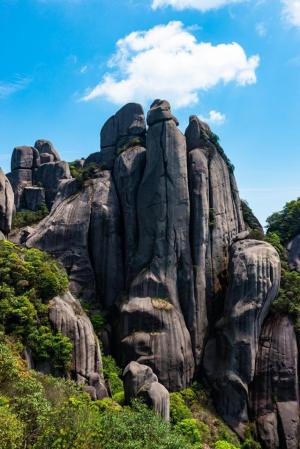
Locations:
{"points": [[254, 272], [293, 249], [6, 204], [67, 317], [275, 388], [141, 382]]}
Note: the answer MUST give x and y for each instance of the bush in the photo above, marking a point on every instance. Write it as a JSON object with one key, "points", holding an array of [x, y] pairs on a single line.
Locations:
{"points": [[29, 279], [286, 223], [178, 409], [224, 445], [29, 217], [11, 428], [189, 428], [112, 374]]}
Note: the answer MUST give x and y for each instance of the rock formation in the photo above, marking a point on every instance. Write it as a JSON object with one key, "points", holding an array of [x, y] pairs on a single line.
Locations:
{"points": [[67, 317], [141, 382], [35, 175], [275, 388], [156, 240], [6, 205], [254, 272]]}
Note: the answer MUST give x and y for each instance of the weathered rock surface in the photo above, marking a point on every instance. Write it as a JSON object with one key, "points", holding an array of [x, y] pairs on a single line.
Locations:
{"points": [[34, 197], [25, 157], [121, 130], [150, 328], [67, 316], [230, 357], [128, 171], [49, 176], [275, 387], [83, 232], [140, 381], [6, 204], [293, 249], [46, 147], [216, 217]]}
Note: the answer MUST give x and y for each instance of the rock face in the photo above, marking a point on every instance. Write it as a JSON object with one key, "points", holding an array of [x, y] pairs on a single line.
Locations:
{"points": [[156, 240], [83, 233], [293, 249], [230, 357], [38, 166], [140, 381], [275, 388], [67, 316], [6, 204]]}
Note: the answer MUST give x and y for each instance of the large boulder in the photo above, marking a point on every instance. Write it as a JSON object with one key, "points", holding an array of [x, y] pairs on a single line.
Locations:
{"points": [[67, 316], [46, 147], [141, 382], [254, 281], [49, 176], [123, 129], [34, 197], [153, 332], [275, 387], [6, 204], [25, 157]]}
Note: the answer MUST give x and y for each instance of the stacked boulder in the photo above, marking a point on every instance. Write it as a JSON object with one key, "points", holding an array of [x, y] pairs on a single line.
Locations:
{"points": [[6, 205], [35, 175], [141, 382]]}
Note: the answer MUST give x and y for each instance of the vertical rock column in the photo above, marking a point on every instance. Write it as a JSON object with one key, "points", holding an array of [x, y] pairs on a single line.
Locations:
{"points": [[6, 204], [275, 388]]}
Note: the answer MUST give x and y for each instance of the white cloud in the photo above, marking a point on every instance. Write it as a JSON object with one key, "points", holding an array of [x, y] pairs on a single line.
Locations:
{"points": [[83, 69], [201, 5], [261, 29], [291, 11], [167, 61], [7, 89], [214, 118]]}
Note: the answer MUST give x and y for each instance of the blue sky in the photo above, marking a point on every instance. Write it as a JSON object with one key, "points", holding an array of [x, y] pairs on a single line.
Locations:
{"points": [[65, 65]]}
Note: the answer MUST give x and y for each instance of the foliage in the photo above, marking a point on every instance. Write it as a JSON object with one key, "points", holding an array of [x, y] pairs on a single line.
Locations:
{"points": [[216, 141], [133, 142], [224, 445], [189, 428], [29, 217], [137, 428], [112, 374], [11, 428], [178, 408], [256, 230], [286, 223], [81, 175], [98, 322], [29, 279]]}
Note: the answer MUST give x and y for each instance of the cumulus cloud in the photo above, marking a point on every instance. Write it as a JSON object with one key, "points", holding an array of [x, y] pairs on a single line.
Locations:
{"points": [[214, 118], [291, 11], [167, 61]]}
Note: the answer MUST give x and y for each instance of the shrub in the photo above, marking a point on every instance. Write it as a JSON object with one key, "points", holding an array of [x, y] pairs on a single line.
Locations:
{"points": [[29, 217], [286, 223], [98, 322], [224, 445], [112, 374], [11, 428], [178, 408], [189, 428], [30, 278]]}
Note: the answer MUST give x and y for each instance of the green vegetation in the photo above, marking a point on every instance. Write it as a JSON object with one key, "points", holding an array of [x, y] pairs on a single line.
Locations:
{"points": [[112, 374], [134, 142], [29, 217], [29, 279], [256, 230], [83, 174], [216, 141], [282, 227], [286, 223], [39, 412]]}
